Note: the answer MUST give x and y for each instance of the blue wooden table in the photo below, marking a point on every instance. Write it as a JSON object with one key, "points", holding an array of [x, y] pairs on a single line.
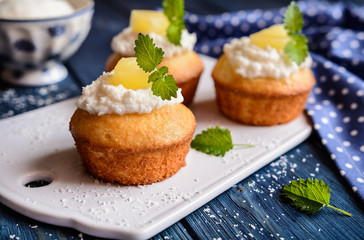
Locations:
{"points": [[252, 209]]}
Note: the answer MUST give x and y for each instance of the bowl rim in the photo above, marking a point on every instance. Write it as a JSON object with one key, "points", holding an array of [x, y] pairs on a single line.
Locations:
{"points": [[90, 6]]}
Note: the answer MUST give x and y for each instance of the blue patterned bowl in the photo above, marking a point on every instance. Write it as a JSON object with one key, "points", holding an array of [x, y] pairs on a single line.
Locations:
{"points": [[32, 51]]}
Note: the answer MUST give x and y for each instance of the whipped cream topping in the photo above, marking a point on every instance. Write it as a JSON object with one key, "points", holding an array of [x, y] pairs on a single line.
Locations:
{"points": [[102, 98], [251, 61], [124, 43], [34, 9]]}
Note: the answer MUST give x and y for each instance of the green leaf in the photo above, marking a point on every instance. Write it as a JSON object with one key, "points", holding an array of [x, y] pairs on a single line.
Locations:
{"points": [[174, 10], [147, 54], [174, 32], [165, 87], [159, 74], [308, 196], [297, 48], [215, 141], [293, 19]]}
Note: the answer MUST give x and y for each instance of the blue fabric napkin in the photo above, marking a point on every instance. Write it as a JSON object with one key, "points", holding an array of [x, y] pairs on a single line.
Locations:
{"points": [[336, 41]]}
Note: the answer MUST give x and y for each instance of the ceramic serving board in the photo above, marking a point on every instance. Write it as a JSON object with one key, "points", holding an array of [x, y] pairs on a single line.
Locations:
{"points": [[37, 146]]}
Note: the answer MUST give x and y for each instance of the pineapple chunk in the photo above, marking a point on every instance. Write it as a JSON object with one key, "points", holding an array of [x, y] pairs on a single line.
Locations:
{"points": [[148, 21], [275, 36], [129, 74]]}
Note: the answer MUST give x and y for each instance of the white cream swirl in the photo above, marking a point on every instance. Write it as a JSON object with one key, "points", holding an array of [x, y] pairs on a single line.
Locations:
{"points": [[251, 61], [124, 43], [102, 98]]}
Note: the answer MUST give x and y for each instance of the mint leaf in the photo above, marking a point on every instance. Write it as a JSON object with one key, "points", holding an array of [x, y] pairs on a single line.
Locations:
{"points": [[174, 10], [293, 19], [297, 48], [147, 54], [174, 32], [148, 57], [308, 196], [215, 141], [165, 87]]}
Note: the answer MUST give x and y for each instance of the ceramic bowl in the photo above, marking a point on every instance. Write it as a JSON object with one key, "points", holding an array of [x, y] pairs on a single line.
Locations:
{"points": [[32, 51]]}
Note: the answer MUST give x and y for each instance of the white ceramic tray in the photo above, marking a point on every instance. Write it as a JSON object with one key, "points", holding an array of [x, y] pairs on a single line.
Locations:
{"points": [[38, 146]]}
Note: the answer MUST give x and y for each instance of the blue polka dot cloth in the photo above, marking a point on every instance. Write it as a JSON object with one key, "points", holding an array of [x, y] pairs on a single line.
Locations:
{"points": [[336, 40]]}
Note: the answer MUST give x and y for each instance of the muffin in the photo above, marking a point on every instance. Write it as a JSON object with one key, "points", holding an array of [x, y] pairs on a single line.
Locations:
{"points": [[131, 136], [260, 85], [184, 64]]}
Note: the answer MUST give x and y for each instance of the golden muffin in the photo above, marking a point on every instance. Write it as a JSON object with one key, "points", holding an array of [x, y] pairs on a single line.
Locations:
{"points": [[260, 101], [134, 149], [186, 69]]}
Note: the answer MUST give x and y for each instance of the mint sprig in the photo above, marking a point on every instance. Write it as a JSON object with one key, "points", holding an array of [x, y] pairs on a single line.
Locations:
{"points": [[308, 196], [215, 141], [174, 10], [296, 48], [148, 57]]}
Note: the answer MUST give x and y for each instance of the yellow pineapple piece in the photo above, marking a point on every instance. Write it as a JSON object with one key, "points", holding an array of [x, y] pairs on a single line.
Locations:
{"points": [[148, 21], [129, 74], [275, 36]]}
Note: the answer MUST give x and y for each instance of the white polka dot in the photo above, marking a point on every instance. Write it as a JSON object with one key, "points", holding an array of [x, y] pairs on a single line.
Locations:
{"points": [[342, 69], [310, 112], [331, 92], [193, 18], [338, 129], [335, 44], [324, 141], [218, 24], [202, 26], [339, 149], [261, 23], [251, 18], [354, 189], [346, 143], [347, 53], [354, 132], [217, 49], [330, 36], [311, 11], [318, 107], [277, 20], [361, 119], [330, 136], [346, 119], [316, 126], [327, 65], [353, 106], [326, 102], [209, 18], [336, 14], [318, 90], [355, 62], [348, 165], [354, 44], [228, 30], [361, 148], [344, 91], [350, 80], [235, 21], [356, 158], [342, 173], [342, 37], [323, 79], [333, 114], [205, 49], [242, 14], [324, 120], [268, 15], [333, 156], [336, 77], [225, 16], [244, 27], [360, 93], [340, 106], [360, 180], [360, 35], [324, 44]]}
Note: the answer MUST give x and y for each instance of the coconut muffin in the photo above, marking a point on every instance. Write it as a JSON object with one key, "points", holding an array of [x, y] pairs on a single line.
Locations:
{"points": [[131, 136], [184, 64], [260, 85]]}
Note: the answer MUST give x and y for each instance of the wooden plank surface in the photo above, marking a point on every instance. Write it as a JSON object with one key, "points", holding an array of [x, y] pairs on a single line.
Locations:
{"points": [[251, 209]]}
